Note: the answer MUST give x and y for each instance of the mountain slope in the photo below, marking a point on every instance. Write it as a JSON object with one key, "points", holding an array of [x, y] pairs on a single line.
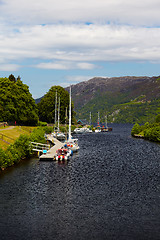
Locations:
{"points": [[123, 99]]}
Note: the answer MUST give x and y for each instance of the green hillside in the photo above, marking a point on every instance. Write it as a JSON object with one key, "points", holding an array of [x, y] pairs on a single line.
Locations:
{"points": [[124, 99]]}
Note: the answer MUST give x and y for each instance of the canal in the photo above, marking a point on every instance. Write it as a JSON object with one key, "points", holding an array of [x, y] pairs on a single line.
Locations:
{"points": [[110, 189]]}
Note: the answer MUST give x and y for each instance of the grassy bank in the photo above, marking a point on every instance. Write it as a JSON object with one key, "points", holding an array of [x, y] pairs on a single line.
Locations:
{"points": [[16, 143], [8, 135]]}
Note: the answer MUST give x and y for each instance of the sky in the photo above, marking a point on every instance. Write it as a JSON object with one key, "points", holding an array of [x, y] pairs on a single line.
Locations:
{"points": [[50, 42]]}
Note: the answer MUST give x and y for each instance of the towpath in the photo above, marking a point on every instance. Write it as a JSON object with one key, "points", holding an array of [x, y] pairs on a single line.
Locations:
{"points": [[7, 128]]}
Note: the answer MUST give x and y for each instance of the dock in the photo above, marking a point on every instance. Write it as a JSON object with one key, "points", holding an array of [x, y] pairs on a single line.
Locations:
{"points": [[49, 155]]}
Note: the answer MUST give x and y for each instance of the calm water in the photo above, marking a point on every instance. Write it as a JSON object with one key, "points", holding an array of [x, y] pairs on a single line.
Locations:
{"points": [[109, 190]]}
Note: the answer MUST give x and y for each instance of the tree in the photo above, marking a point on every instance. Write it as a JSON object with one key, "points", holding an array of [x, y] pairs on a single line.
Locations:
{"points": [[12, 78], [136, 129], [16, 103], [46, 106]]}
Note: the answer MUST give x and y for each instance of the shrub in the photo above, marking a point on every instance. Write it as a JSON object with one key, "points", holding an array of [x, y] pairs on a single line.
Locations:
{"points": [[48, 130], [3, 159], [157, 118], [42, 124], [23, 145], [38, 135], [136, 129], [21, 148]]}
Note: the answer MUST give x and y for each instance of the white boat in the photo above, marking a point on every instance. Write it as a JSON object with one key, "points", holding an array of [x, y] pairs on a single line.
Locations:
{"points": [[78, 130], [82, 130], [71, 143], [60, 136], [98, 130], [88, 130]]}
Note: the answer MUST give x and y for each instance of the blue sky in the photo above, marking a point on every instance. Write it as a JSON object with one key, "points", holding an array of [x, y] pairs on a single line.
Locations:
{"points": [[50, 42]]}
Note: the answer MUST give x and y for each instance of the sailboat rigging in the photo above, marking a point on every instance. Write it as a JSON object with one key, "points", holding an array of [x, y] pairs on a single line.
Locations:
{"points": [[71, 143]]}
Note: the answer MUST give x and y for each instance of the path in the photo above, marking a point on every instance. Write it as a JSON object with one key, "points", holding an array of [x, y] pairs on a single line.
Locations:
{"points": [[7, 128]]}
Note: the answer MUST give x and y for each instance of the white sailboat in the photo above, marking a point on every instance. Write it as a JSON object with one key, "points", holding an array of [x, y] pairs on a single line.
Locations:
{"points": [[98, 126], [71, 143], [59, 135]]}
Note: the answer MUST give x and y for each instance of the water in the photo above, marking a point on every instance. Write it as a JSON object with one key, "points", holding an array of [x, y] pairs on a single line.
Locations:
{"points": [[110, 189]]}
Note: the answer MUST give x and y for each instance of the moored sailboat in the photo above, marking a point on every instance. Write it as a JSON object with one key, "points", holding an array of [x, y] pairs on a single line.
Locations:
{"points": [[71, 143], [98, 129]]}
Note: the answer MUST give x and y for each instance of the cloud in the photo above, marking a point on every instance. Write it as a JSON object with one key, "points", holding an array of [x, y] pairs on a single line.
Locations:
{"points": [[65, 65], [144, 12], [78, 46], [77, 79], [66, 35], [9, 67]]}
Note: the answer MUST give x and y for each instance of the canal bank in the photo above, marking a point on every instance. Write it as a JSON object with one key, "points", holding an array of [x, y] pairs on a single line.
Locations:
{"points": [[19, 146]]}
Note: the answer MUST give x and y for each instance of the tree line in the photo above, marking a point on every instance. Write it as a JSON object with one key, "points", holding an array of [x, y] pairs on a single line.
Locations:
{"points": [[17, 104]]}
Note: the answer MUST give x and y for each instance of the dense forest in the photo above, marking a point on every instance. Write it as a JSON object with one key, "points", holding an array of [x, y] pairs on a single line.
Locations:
{"points": [[16, 102]]}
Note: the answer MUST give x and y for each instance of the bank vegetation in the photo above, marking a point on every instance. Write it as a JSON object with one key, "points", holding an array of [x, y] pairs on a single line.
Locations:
{"points": [[148, 131]]}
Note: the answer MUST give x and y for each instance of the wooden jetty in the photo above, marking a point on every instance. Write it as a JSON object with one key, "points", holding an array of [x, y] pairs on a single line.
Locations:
{"points": [[39, 147], [49, 155]]}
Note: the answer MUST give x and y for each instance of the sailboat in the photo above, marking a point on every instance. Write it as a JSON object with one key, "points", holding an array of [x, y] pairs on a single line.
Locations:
{"points": [[59, 135], [71, 143], [105, 129], [98, 126]]}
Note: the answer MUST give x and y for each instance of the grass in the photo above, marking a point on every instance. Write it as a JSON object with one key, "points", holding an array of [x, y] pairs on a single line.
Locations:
{"points": [[10, 135]]}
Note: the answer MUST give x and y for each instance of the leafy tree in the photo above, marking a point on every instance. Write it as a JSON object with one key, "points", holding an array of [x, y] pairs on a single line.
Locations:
{"points": [[16, 102], [136, 129], [47, 105], [12, 78]]}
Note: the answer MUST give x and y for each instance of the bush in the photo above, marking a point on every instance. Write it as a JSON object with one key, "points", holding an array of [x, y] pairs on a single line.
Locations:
{"points": [[22, 144], [152, 134], [42, 124], [38, 135], [48, 130], [4, 159], [157, 118], [136, 129]]}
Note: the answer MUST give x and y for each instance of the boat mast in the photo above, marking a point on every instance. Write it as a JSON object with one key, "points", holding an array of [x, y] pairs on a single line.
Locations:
{"points": [[70, 116], [58, 113], [90, 119], [55, 120], [106, 121], [98, 120]]}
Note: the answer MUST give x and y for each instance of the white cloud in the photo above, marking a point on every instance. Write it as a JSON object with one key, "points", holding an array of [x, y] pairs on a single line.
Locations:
{"points": [[65, 65], [78, 46], [55, 35], [77, 79], [144, 12], [9, 67]]}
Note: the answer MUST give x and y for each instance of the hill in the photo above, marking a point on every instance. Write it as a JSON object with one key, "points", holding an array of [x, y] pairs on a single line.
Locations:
{"points": [[122, 99]]}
